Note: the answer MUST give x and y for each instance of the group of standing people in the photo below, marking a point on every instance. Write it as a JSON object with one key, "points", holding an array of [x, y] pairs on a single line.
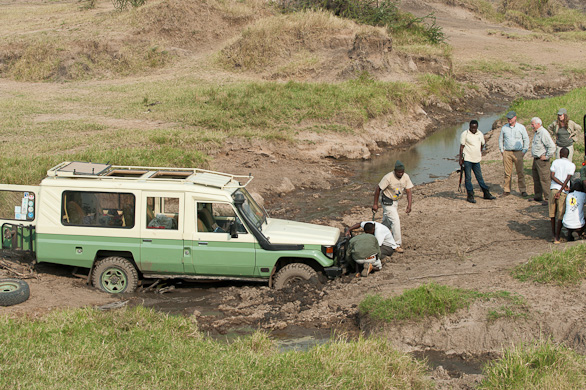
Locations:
{"points": [[551, 182]]}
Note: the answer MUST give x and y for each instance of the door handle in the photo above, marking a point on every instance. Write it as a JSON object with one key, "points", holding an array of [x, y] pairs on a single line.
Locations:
{"points": [[147, 240], [202, 243]]}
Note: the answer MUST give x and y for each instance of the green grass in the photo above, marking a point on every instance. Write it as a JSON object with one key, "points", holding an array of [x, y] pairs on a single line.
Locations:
{"points": [[547, 109], [143, 349], [178, 123], [563, 268], [435, 300], [539, 366]]}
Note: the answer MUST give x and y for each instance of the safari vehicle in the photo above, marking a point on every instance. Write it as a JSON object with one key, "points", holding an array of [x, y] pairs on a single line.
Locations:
{"points": [[124, 223]]}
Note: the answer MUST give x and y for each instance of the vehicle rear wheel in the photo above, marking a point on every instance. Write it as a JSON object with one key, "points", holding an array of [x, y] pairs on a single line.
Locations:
{"points": [[13, 292], [295, 273], [115, 275]]}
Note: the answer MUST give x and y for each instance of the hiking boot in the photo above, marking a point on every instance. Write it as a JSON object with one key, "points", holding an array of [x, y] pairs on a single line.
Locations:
{"points": [[399, 250], [470, 197], [488, 195], [367, 269]]}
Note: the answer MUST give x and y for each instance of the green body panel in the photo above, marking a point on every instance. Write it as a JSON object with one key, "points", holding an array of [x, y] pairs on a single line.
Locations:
{"points": [[166, 256], [228, 258], [80, 251], [268, 259], [161, 256], [27, 236]]}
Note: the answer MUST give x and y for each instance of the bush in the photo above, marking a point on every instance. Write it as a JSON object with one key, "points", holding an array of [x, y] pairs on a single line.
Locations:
{"points": [[383, 13]]}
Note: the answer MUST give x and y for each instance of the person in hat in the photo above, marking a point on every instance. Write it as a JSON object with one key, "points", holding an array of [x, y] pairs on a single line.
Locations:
{"points": [[471, 142], [565, 132], [513, 144], [542, 150], [393, 185]]}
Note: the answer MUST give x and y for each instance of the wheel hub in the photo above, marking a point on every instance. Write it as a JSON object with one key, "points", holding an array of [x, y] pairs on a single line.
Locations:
{"points": [[114, 280]]}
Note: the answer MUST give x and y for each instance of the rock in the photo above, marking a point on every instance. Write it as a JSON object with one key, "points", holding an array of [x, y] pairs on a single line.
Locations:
{"points": [[286, 186]]}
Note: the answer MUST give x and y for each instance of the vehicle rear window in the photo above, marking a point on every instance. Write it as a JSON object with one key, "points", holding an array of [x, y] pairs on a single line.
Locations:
{"points": [[17, 205], [98, 209]]}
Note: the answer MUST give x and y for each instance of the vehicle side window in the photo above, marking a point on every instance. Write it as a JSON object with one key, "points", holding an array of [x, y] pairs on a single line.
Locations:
{"points": [[18, 205], [98, 209], [162, 213], [217, 218]]}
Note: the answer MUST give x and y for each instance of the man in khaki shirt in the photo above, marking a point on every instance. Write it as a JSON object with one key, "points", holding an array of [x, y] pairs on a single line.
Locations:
{"points": [[471, 142], [393, 185]]}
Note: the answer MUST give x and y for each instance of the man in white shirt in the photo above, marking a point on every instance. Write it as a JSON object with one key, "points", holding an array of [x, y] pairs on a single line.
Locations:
{"points": [[471, 142], [574, 215], [542, 149], [382, 234], [562, 170]]}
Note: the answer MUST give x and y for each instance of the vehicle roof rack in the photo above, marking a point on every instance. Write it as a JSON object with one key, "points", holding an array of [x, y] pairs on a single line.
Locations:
{"points": [[97, 171]]}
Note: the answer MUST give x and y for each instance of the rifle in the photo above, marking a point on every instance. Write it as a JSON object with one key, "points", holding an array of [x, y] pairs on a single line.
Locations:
{"points": [[461, 170]]}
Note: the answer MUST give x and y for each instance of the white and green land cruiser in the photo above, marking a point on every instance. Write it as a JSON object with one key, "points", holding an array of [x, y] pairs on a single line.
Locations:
{"points": [[123, 223]]}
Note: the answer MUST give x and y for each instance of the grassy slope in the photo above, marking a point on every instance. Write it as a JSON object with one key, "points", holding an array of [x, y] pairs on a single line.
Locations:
{"points": [[172, 118]]}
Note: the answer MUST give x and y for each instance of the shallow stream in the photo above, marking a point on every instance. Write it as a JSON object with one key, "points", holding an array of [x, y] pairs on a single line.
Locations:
{"points": [[431, 159]]}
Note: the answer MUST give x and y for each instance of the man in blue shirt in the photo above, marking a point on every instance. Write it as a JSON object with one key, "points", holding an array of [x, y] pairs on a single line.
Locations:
{"points": [[513, 144]]}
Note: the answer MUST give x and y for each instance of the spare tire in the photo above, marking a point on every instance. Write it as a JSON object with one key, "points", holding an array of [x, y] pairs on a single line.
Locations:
{"points": [[13, 292]]}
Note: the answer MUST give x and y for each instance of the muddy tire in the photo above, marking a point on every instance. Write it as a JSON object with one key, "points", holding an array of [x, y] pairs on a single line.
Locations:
{"points": [[13, 292], [295, 273], [115, 275]]}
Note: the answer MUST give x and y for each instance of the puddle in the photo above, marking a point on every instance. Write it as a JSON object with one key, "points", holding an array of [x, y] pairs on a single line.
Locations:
{"points": [[455, 365], [295, 338], [431, 159]]}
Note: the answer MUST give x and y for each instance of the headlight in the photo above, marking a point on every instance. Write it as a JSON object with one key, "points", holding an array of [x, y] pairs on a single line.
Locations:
{"points": [[328, 250]]}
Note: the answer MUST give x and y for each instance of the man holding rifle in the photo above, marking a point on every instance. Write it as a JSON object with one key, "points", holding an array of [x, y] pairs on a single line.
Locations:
{"points": [[471, 142]]}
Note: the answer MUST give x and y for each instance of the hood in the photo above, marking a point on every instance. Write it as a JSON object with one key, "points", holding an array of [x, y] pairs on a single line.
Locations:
{"points": [[281, 231]]}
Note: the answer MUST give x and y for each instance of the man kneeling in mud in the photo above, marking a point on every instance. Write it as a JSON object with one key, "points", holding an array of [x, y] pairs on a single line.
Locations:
{"points": [[365, 251], [383, 235]]}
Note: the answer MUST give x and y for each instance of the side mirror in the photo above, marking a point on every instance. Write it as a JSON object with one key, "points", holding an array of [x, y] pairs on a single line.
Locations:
{"points": [[233, 230]]}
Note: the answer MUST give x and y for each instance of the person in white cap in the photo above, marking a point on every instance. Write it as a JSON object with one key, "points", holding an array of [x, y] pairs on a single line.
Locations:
{"points": [[513, 144], [565, 132]]}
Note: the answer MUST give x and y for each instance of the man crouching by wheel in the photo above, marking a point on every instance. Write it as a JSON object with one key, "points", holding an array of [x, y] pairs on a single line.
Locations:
{"points": [[365, 251]]}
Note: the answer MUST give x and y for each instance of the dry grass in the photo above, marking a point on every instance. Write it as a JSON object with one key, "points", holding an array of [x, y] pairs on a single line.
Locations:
{"points": [[285, 40]]}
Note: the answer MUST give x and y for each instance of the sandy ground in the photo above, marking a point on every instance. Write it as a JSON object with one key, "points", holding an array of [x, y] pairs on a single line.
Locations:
{"points": [[447, 240]]}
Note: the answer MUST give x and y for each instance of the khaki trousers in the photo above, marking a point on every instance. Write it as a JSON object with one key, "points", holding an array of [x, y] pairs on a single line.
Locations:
{"points": [[515, 158], [541, 178]]}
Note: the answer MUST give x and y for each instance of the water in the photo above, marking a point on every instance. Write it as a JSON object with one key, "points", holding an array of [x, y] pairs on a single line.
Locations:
{"points": [[433, 158]]}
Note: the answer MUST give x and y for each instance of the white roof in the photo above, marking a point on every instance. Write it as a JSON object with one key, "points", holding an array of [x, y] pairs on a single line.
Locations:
{"points": [[121, 173]]}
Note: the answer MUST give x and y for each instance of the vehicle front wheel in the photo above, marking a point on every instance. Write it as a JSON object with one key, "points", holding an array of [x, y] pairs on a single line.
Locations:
{"points": [[13, 292], [115, 275], [295, 273]]}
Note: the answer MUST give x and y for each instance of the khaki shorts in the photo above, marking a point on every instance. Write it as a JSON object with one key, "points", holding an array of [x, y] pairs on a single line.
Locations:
{"points": [[557, 207]]}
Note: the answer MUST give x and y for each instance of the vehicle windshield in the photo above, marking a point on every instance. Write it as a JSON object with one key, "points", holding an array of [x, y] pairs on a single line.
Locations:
{"points": [[255, 213]]}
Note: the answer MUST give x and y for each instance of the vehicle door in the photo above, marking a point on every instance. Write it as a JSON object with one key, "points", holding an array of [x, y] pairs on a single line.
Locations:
{"points": [[215, 251], [18, 215], [162, 233]]}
